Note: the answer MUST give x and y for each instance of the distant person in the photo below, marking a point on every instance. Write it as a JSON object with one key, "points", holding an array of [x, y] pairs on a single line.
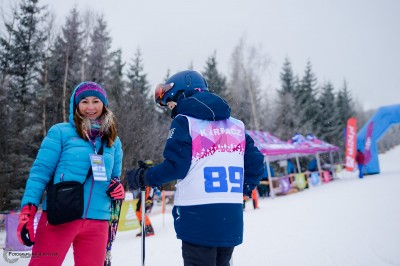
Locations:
{"points": [[290, 167], [312, 165], [264, 188], [149, 197], [360, 159], [291, 170], [254, 197]]}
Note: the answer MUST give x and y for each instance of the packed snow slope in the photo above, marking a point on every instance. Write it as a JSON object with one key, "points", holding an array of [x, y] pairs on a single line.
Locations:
{"points": [[349, 221]]}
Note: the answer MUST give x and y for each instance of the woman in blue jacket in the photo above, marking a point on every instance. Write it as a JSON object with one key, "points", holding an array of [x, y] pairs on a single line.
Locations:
{"points": [[65, 155], [215, 163]]}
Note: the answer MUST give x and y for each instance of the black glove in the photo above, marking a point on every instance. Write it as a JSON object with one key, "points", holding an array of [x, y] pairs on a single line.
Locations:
{"points": [[247, 189], [136, 176]]}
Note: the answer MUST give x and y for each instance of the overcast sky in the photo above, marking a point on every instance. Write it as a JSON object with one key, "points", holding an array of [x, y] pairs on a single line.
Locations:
{"points": [[356, 40]]}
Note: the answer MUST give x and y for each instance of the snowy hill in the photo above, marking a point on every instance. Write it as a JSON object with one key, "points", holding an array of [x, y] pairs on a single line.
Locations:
{"points": [[345, 222]]}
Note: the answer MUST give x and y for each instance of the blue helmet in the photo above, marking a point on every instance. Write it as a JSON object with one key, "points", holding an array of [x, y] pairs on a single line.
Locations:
{"points": [[182, 81]]}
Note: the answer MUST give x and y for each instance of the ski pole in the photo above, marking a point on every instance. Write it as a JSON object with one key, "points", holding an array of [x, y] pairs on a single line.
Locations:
{"points": [[116, 206], [143, 195]]}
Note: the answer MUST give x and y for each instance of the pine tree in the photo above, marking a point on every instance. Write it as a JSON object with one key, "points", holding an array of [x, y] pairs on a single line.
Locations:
{"points": [[5, 51], [21, 60], [327, 119], [287, 78], [137, 79], [26, 52], [306, 103], [216, 81], [115, 80], [5, 114], [345, 104], [44, 93], [344, 109], [98, 60], [65, 67], [138, 117], [286, 121]]}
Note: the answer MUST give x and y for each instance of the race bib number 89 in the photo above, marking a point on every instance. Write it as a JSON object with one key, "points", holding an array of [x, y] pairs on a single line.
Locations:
{"points": [[217, 179]]}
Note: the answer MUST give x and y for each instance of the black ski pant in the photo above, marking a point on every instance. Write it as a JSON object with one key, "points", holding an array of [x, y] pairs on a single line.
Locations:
{"points": [[194, 255]]}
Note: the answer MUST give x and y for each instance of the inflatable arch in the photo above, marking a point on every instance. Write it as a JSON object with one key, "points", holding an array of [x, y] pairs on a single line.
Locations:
{"points": [[372, 131]]}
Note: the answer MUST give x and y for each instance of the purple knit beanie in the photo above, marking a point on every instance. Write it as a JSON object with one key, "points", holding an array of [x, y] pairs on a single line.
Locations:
{"points": [[86, 89]]}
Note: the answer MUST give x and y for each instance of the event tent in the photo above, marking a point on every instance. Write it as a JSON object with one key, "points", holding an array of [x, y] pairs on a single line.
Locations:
{"points": [[272, 147], [314, 145], [275, 149], [325, 146]]}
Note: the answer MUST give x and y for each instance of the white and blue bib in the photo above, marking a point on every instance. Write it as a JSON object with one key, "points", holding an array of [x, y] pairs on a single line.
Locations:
{"points": [[217, 169]]}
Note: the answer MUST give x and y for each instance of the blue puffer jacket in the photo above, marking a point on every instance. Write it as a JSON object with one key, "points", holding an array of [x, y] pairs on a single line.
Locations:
{"points": [[215, 225], [66, 155]]}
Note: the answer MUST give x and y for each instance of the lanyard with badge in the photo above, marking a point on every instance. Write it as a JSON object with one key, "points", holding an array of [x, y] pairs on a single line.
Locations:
{"points": [[97, 162]]}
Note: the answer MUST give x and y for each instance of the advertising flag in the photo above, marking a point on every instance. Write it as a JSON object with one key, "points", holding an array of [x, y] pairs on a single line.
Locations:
{"points": [[351, 143]]}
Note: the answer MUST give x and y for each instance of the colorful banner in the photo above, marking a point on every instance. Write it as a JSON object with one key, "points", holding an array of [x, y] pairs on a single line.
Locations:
{"points": [[368, 141], [351, 143], [128, 219]]}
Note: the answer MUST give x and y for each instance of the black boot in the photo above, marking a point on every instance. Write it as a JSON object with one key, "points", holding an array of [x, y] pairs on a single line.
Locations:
{"points": [[148, 229]]}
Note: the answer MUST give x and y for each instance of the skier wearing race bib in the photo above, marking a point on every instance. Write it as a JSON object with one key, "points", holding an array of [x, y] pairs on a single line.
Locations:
{"points": [[215, 163]]}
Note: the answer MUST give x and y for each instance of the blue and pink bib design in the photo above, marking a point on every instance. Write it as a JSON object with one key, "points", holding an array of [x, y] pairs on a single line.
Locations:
{"points": [[216, 171]]}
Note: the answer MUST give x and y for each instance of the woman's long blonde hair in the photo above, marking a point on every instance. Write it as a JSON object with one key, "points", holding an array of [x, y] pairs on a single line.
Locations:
{"points": [[108, 125]]}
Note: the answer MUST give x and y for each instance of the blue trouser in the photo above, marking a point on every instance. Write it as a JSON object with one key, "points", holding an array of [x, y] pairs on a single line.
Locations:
{"points": [[360, 170]]}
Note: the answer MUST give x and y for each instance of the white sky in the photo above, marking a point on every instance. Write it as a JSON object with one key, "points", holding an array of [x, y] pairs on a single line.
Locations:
{"points": [[355, 40]]}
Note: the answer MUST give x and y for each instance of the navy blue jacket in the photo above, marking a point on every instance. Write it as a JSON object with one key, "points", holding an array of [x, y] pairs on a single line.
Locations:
{"points": [[206, 224]]}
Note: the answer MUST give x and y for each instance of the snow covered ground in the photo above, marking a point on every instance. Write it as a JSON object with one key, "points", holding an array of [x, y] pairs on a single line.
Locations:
{"points": [[346, 222]]}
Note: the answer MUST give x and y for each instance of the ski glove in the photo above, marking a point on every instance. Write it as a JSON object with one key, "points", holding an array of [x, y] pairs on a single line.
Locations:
{"points": [[136, 176], [25, 230], [116, 190], [247, 189]]}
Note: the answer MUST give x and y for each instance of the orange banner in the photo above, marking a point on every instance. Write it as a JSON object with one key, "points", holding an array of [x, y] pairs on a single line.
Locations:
{"points": [[351, 143]]}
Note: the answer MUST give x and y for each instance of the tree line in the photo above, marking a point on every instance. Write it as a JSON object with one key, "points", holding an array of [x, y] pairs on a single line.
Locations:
{"points": [[40, 66]]}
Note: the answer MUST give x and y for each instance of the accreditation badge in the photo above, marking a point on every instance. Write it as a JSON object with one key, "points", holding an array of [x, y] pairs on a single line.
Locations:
{"points": [[98, 167]]}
